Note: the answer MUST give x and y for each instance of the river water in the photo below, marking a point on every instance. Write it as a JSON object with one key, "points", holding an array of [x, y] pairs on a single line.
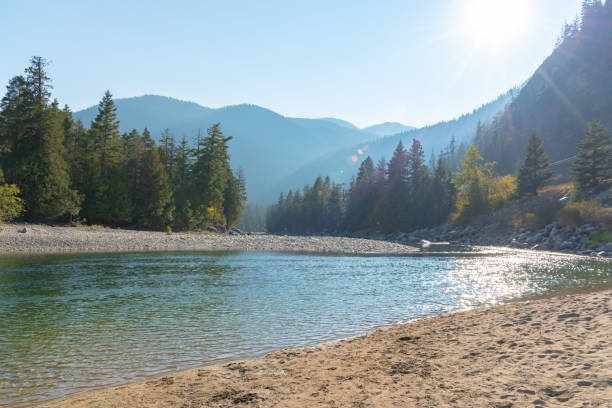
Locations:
{"points": [[70, 323]]}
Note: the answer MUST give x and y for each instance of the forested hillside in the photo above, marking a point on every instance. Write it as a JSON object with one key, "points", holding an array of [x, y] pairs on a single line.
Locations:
{"points": [[572, 87], [267, 145], [341, 165]]}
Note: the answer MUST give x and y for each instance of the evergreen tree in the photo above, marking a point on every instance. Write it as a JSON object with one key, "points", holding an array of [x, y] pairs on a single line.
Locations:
{"points": [[154, 207], [106, 185], [167, 152], [234, 199], [417, 176], [32, 135], [535, 171], [362, 197], [593, 163], [135, 148], [395, 191], [211, 174]]}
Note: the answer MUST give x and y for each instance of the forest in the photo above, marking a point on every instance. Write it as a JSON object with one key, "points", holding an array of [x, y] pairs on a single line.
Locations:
{"points": [[53, 168], [405, 194]]}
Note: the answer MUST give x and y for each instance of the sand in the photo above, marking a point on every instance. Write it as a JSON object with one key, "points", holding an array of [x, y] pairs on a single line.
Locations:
{"points": [[545, 352], [48, 239]]}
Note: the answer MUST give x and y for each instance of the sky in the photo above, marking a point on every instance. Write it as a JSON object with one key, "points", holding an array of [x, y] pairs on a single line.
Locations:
{"points": [[414, 62]]}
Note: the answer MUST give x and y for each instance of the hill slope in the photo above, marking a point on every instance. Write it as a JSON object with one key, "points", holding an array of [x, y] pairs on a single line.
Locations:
{"points": [[387, 129], [572, 87], [267, 145], [341, 167]]}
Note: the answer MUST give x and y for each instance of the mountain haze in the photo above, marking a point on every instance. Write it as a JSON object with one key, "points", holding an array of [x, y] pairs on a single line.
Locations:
{"points": [[267, 145], [387, 129], [341, 165], [572, 87]]}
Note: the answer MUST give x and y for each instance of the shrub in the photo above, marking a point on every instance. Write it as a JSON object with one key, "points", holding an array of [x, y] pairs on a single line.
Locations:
{"points": [[600, 237], [589, 212], [168, 230], [11, 205]]}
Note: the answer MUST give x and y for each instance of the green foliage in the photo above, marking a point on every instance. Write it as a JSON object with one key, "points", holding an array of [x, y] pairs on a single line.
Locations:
{"points": [[593, 163], [168, 230], [600, 237], [319, 209], [534, 171], [11, 205], [63, 169], [591, 212], [398, 196], [478, 190], [153, 196], [32, 136], [234, 198]]}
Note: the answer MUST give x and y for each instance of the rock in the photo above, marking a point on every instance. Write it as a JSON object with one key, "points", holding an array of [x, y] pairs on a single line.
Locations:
{"points": [[211, 228], [23, 230], [535, 238], [434, 246], [567, 245], [607, 247]]}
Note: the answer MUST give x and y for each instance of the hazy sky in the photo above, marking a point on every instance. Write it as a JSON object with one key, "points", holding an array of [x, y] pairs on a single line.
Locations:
{"points": [[416, 62]]}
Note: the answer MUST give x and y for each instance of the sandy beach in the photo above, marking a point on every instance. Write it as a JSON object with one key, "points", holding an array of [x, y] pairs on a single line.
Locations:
{"points": [[48, 239], [544, 352]]}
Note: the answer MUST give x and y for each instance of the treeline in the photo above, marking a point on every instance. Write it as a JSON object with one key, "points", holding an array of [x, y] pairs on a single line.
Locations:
{"points": [[377, 199], [55, 167], [405, 194]]}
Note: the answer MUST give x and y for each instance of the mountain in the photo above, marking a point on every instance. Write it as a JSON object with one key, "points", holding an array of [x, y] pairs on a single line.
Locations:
{"points": [[341, 165], [267, 145], [387, 129], [572, 87], [341, 122], [152, 111]]}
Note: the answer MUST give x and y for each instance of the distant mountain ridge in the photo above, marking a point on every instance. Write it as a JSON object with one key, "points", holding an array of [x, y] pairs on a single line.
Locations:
{"points": [[387, 129], [267, 145], [342, 164]]}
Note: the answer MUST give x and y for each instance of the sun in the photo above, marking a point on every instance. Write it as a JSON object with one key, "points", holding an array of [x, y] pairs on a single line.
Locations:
{"points": [[494, 24]]}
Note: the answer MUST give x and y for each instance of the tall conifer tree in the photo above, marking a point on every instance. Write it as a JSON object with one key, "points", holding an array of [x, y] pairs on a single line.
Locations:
{"points": [[534, 171]]}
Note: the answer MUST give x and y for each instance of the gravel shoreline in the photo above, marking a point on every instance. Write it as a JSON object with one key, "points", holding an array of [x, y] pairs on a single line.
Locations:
{"points": [[50, 239]]}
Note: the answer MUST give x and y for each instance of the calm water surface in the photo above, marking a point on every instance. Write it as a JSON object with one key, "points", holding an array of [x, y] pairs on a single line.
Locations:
{"points": [[73, 322]]}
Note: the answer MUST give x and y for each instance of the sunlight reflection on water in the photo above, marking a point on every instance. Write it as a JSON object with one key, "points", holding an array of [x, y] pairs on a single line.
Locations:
{"points": [[74, 322]]}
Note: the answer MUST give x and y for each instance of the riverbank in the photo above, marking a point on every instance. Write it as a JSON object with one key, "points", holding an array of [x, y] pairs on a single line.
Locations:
{"points": [[554, 351], [16, 239]]}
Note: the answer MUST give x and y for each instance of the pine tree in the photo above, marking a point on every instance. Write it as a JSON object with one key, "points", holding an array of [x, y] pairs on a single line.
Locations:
{"points": [[593, 163], [154, 206], [167, 152], [361, 197], [417, 177], [32, 134], [535, 171], [106, 185], [234, 199], [211, 174]]}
